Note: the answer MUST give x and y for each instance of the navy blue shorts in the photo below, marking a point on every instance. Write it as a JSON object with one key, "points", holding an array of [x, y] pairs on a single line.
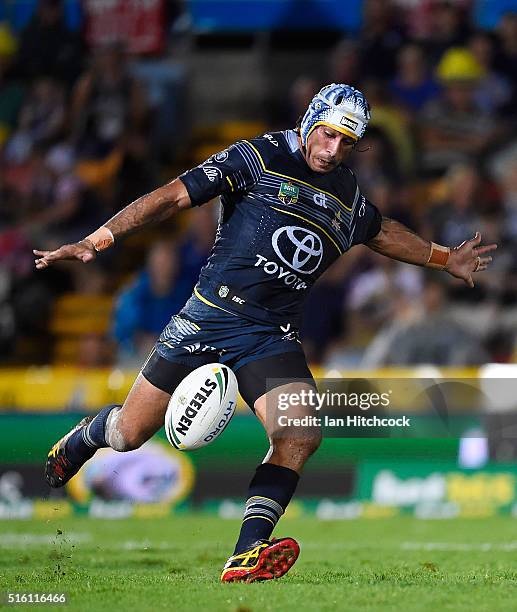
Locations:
{"points": [[200, 334]]}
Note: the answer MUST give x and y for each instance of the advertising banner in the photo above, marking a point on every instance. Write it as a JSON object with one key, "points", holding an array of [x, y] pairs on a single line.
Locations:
{"points": [[138, 24], [346, 478], [434, 489]]}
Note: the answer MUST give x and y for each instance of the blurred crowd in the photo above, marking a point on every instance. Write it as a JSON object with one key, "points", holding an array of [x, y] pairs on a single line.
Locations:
{"points": [[440, 156], [78, 141]]}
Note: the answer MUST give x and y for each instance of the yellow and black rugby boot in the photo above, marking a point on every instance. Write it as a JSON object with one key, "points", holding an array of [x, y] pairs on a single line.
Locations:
{"points": [[265, 560], [58, 468]]}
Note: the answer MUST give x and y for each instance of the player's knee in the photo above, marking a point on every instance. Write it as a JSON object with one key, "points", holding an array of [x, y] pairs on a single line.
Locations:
{"points": [[120, 437], [123, 442]]}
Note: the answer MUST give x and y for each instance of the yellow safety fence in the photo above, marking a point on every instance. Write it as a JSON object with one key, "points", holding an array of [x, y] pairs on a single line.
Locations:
{"points": [[52, 388]]}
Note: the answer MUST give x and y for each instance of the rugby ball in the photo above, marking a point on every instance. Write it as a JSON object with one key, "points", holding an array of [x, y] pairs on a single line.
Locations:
{"points": [[201, 407]]}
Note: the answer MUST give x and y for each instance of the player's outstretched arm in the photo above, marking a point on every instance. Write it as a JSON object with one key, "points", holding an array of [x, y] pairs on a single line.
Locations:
{"points": [[399, 242], [155, 206]]}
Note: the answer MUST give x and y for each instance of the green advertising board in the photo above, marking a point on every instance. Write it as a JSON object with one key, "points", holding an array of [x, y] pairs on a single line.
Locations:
{"points": [[339, 481], [436, 489]]}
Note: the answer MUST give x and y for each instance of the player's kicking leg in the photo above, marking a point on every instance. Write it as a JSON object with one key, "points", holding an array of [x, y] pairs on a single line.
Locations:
{"points": [[122, 428], [256, 556]]}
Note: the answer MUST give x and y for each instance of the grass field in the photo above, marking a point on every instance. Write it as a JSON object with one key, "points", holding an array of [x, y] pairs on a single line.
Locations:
{"points": [[384, 564]]}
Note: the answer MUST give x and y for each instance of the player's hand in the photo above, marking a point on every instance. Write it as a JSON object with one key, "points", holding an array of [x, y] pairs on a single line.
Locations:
{"points": [[468, 258], [83, 251]]}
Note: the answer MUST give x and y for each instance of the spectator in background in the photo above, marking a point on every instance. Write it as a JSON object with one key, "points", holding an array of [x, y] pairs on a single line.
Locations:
{"points": [[413, 85], [368, 305], [196, 243], [427, 336], [381, 37], [290, 107], [457, 215], [394, 123], [48, 47], [107, 102], [494, 89], [58, 198], [108, 123], [345, 63], [468, 202], [41, 120], [48, 195], [448, 27], [396, 200], [404, 312], [507, 30], [375, 162], [138, 171], [144, 307], [300, 95], [454, 128]]}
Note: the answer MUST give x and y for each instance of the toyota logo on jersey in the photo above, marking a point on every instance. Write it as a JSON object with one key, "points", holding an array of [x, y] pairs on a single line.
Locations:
{"points": [[299, 248]]}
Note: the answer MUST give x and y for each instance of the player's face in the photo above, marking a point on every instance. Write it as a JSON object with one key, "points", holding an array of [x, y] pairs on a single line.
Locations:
{"points": [[327, 148]]}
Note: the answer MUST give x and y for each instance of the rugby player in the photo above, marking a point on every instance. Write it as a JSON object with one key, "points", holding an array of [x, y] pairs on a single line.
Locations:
{"points": [[289, 209]]}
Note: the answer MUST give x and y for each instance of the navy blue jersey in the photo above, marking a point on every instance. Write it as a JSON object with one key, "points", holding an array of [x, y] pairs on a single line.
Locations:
{"points": [[281, 226]]}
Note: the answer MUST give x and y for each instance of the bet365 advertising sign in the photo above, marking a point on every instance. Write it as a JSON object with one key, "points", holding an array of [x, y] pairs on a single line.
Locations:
{"points": [[438, 489]]}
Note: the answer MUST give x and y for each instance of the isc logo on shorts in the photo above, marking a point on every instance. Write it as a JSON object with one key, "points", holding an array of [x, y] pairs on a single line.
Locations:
{"points": [[225, 292]]}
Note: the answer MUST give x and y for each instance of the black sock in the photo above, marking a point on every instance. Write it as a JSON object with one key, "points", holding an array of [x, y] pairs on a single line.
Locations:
{"points": [[82, 444], [269, 493]]}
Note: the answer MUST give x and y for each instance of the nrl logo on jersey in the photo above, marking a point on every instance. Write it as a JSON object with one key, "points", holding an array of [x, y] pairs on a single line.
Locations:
{"points": [[288, 193]]}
